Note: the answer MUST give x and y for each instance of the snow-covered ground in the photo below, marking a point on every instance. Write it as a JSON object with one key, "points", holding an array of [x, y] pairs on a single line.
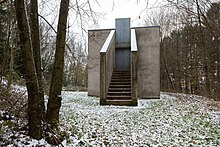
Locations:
{"points": [[173, 120]]}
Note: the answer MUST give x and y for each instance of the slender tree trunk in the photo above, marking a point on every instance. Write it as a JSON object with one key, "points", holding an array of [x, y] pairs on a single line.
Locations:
{"points": [[34, 100], [166, 67], [34, 25], [205, 54], [54, 102], [8, 54], [179, 73], [187, 61]]}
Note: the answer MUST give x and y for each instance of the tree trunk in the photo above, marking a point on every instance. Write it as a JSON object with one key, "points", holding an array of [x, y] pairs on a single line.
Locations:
{"points": [[34, 25], [34, 100], [205, 54], [166, 67], [54, 102]]}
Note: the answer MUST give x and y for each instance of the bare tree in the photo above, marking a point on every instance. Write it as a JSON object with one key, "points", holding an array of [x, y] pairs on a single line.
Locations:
{"points": [[35, 38], [192, 48], [54, 102], [34, 99]]}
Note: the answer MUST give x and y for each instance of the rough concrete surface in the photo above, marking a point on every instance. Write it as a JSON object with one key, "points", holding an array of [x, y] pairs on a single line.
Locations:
{"points": [[148, 62], [96, 39]]}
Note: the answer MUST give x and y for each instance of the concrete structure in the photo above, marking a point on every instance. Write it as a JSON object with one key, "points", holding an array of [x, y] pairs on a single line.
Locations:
{"points": [[148, 65], [144, 58], [96, 39]]}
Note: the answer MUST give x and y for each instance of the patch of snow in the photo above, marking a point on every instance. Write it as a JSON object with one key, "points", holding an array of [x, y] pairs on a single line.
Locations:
{"points": [[166, 96], [165, 122], [4, 82], [169, 121], [19, 88]]}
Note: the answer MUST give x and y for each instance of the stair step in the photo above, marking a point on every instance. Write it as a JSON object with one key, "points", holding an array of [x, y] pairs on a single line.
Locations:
{"points": [[124, 74], [118, 102], [115, 76], [121, 80], [119, 89], [118, 97], [120, 86], [121, 76], [121, 83], [122, 71], [120, 93]]}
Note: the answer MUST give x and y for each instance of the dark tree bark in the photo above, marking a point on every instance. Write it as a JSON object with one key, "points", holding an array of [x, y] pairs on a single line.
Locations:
{"points": [[35, 38], [166, 67], [204, 48], [54, 102], [34, 100]]}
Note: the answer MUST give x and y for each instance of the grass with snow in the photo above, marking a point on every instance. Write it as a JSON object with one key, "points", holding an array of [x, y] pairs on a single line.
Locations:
{"points": [[165, 122], [173, 120]]}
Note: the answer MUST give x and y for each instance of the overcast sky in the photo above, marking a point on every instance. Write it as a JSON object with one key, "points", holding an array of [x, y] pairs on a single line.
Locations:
{"points": [[134, 9]]}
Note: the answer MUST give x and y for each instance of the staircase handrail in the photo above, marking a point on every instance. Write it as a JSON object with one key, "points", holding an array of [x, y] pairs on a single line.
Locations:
{"points": [[133, 41], [134, 58], [107, 63], [106, 45]]}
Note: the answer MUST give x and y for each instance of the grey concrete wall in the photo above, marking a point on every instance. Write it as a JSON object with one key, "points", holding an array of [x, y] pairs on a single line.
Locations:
{"points": [[148, 74], [148, 67], [96, 39]]}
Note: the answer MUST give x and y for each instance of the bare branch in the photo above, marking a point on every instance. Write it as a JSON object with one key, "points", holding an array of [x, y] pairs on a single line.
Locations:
{"points": [[47, 23]]}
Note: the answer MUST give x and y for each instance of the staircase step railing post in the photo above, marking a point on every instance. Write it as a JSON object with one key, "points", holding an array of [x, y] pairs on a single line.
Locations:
{"points": [[102, 78], [134, 59]]}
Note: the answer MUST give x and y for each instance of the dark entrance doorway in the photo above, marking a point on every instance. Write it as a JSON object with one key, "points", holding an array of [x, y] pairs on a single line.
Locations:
{"points": [[122, 58], [123, 44]]}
